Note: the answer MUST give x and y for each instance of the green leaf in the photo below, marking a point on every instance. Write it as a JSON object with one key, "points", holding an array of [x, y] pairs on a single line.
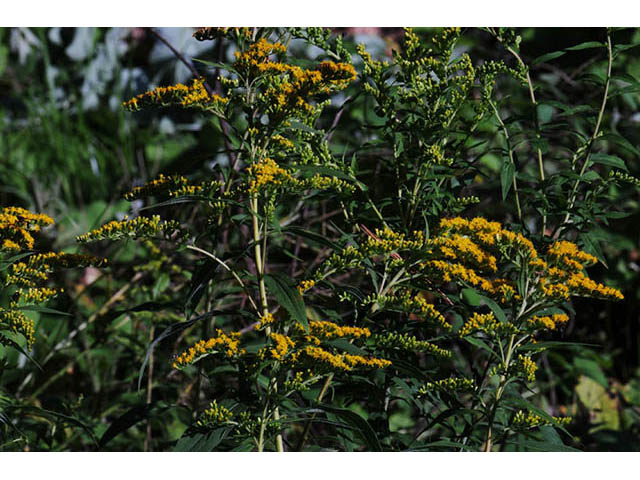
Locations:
{"points": [[314, 237], [305, 128], [545, 113], [541, 446], [506, 177], [37, 308], [548, 56], [220, 66], [198, 284], [591, 369], [202, 442], [6, 263], [473, 298], [592, 246], [124, 422], [482, 345], [356, 422], [4, 340], [622, 47], [288, 297], [161, 284], [585, 45], [345, 345], [51, 414], [444, 443], [610, 160]]}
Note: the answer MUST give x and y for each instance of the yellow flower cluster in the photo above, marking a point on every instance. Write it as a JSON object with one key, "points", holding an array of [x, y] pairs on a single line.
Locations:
{"points": [[16, 225], [267, 172], [136, 228], [583, 285], [203, 188], [306, 285], [290, 96], [531, 420], [527, 366], [388, 241], [499, 288], [460, 247], [435, 155], [255, 60], [554, 290], [487, 323], [229, 345], [298, 382], [417, 305], [561, 274], [427, 310], [548, 322], [568, 256], [214, 415], [38, 295], [320, 182], [282, 345], [576, 284], [264, 321], [25, 276], [328, 330], [282, 141], [344, 361], [194, 95], [18, 322], [290, 87], [160, 184], [489, 234], [452, 272]]}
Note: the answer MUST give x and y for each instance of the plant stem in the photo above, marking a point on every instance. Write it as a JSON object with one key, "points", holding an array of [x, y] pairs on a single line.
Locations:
{"points": [[148, 437], [511, 158], [260, 264], [591, 141], [499, 391], [235, 275], [532, 96], [307, 426]]}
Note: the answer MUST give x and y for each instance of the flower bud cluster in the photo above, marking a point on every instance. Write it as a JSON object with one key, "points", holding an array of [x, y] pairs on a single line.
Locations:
{"points": [[139, 227], [406, 342], [449, 385]]}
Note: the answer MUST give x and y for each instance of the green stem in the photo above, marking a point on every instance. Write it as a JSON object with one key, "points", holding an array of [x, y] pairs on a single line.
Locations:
{"points": [[532, 96], [307, 426], [511, 158], [499, 391], [591, 141], [260, 264]]}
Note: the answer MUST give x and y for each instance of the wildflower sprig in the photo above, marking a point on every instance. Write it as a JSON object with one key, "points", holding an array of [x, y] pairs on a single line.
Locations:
{"points": [[186, 96], [26, 276], [524, 420], [139, 227]]}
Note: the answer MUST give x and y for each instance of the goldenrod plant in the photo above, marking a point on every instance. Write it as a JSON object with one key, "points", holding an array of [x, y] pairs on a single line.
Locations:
{"points": [[369, 253]]}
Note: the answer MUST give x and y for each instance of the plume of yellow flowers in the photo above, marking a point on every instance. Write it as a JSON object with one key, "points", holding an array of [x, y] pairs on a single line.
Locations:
{"points": [[194, 95], [228, 345]]}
